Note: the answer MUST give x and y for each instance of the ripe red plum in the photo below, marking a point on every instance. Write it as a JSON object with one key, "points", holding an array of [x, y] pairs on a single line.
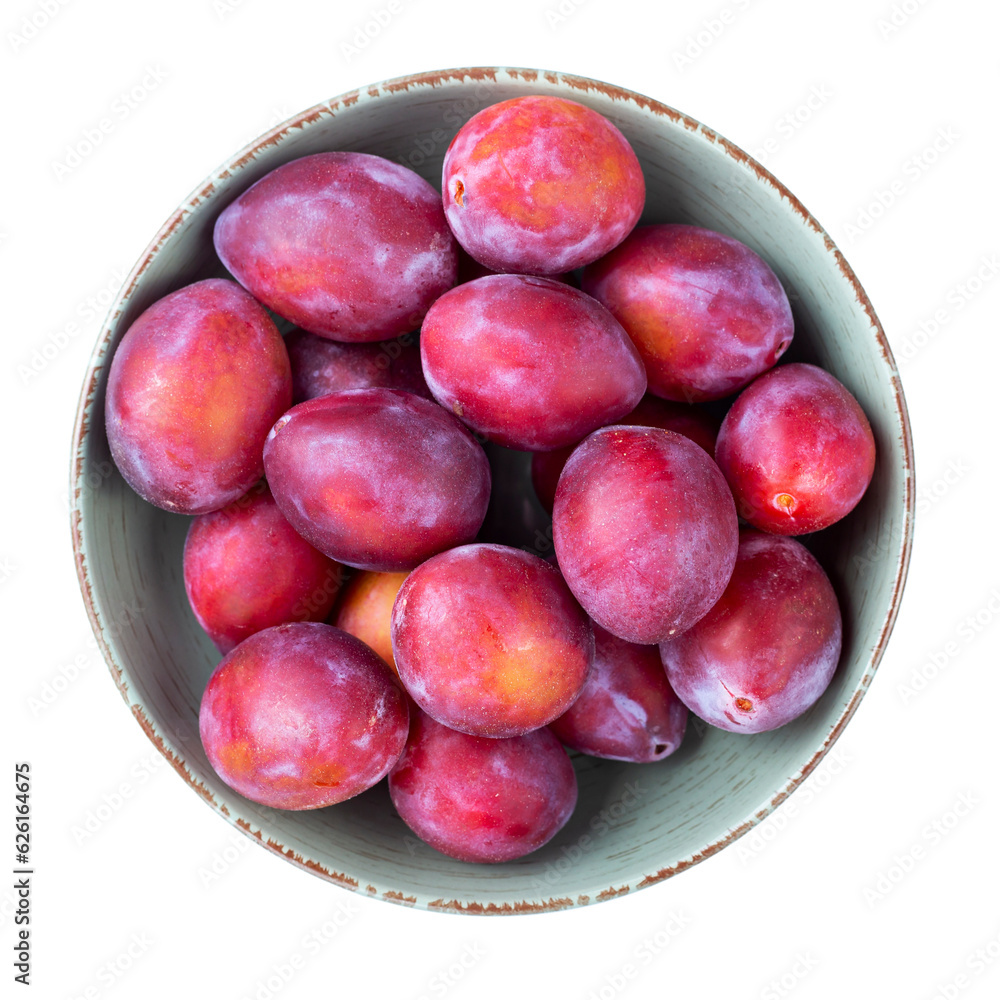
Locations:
{"points": [[489, 640], [378, 479], [645, 531], [302, 716], [706, 313], [528, 362], [345, 245], [540, 185], [768, 649], [627, 709], [194, 387], [479, 799], [797, 450], [246, 569]]}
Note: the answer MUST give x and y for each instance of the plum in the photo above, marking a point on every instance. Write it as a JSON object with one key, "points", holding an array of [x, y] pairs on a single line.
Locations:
{"points": [[477, 799], [768, 649], [246, 569], [645, 531], [540, 185], [345, 245], [797, 450], [693, 422], [488, 640], [528, 362], [627, 709], [706, 313], [194, 387], [365, 610], [321, 366], [377, 479], [302, 716]]}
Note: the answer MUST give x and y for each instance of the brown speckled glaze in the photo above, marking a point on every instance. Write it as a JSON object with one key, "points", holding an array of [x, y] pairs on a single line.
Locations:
{"points": [[641, 823]]}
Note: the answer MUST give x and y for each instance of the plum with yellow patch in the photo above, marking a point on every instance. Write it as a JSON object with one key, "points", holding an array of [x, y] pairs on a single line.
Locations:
{"points": [[246, 569], [302, 716], [540, 185], [489, 640], [707, 314], [479, 799], [377, 479], [195, 385], [365, 610], [346, 245]]}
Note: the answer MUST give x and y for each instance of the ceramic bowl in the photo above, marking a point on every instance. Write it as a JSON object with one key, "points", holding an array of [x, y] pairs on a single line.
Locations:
{"points": [[635, 824]]}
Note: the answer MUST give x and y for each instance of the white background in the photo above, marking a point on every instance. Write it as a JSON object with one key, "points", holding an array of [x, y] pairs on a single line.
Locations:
{"points": [[878, 881]]}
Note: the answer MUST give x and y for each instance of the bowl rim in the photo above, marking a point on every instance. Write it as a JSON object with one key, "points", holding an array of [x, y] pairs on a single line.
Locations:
{"points": [[433, 78]]}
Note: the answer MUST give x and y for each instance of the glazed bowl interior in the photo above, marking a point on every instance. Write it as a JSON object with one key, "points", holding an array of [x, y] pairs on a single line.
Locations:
{"points": [[634, 824]]}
